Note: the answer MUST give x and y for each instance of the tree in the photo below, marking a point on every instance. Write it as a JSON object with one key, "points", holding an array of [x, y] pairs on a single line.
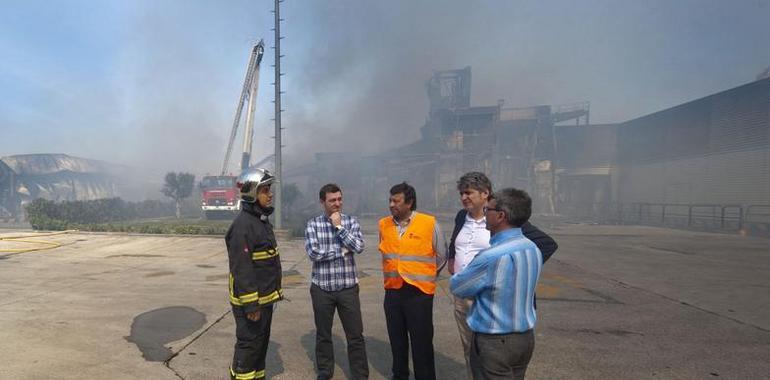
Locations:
{"points": [[178, 186]]}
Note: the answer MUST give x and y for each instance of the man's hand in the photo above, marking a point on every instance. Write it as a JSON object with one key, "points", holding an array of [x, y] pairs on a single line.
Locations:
{"points": [[336, 218], [450, 266], [254, 315]]}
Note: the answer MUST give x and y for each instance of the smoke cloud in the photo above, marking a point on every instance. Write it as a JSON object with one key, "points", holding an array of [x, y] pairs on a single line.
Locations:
{"points": [[155, 84]]}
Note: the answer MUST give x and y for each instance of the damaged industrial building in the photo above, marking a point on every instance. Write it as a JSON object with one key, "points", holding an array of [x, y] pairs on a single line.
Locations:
{"points": [[703, 163], [60, 177], [517, 146]]}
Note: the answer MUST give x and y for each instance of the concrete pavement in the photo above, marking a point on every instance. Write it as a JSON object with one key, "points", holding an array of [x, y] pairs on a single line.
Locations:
{"points": [[614, 302]]}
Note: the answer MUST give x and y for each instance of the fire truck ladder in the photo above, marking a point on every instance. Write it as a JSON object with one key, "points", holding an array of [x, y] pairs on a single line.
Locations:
{"points": [[248, 93]]}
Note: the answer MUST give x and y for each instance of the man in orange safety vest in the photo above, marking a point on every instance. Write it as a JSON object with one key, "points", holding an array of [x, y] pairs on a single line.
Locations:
{"points": [[409, 243]]}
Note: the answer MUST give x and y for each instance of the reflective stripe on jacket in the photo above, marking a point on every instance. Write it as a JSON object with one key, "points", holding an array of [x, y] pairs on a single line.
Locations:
{"points": [[409, 257], [260, 299], [255, 265]]}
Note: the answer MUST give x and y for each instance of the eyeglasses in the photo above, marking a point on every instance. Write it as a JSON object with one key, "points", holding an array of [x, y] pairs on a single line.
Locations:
{"points": [[492, 209]]}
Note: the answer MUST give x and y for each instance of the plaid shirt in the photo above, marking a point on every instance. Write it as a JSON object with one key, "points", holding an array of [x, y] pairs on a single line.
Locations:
{"points": [[334, 267]]}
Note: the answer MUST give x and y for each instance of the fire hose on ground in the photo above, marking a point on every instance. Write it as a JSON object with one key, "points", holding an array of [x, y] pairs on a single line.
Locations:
{"points": [[32, 239]]}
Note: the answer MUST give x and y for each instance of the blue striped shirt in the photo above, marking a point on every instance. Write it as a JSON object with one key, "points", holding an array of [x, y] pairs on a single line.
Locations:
{"points": [[330, 250], [501, 280]]}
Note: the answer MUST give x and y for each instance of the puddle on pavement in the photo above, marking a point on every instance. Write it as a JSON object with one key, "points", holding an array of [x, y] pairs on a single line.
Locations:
{"points": [[152, 330]]}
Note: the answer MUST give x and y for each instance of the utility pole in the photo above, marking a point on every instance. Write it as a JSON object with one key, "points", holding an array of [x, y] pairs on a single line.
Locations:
{"points": [[278, 110]]}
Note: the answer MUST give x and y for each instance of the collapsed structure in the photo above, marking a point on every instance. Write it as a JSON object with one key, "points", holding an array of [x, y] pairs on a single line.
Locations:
{"points": [[708, 156], [59, 177], [515, 146], [8, 192], [707, 159]]}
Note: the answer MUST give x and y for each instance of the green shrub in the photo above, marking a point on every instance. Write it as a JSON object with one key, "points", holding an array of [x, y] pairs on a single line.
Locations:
{"points": [[113, 215], [96, 211]]}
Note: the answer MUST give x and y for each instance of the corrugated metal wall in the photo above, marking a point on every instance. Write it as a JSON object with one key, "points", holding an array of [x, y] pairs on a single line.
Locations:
{"points": [[729, 178], [714, 150]]}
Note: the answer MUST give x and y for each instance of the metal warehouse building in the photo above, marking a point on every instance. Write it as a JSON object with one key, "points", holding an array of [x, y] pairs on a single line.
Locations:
{"points": [[713, 153]]}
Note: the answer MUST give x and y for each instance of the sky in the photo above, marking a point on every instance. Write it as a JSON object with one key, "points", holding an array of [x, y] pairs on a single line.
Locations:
{"points": [[155, 84]]}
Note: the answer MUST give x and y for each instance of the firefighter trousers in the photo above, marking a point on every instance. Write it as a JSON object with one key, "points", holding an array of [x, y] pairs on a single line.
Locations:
{"points": [[251, 344]]}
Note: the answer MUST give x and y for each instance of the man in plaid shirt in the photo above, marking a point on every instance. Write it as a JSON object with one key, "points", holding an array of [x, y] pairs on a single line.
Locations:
{"points": [[331, 240]]}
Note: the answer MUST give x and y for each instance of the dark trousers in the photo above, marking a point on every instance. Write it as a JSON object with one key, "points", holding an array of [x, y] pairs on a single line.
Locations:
{"points": [[251, 342], [503, 356], [409, 317], [348, 304]]}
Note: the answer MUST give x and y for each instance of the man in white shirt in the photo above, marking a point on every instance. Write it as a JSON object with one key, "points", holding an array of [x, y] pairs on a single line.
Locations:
{"points": [[470, 236]]}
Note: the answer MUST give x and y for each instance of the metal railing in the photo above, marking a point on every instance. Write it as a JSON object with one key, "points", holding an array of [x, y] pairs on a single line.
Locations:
{"points": [[723, 217]]}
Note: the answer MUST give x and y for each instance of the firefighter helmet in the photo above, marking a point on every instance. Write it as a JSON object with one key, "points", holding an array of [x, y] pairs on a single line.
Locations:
{"points": [[250, 180]]}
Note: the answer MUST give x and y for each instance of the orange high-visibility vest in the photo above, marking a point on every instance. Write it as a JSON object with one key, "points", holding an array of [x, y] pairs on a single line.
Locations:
{"points": [[410, 257]]}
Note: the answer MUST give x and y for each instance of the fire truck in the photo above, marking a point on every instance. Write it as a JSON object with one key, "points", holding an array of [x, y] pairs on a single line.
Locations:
{"points": [[219, 195]]}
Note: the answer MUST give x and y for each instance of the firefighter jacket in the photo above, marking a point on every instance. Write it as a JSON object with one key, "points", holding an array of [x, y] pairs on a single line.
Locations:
{"points": [[409, 257], [255, 267]]}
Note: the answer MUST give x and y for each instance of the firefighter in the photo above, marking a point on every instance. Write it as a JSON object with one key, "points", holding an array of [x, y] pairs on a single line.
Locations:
{"points": [[255, 274]]}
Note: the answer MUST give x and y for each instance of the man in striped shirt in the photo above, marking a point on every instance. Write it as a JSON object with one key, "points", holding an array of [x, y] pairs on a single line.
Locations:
{"points": [[331, 240], [502, 280]]}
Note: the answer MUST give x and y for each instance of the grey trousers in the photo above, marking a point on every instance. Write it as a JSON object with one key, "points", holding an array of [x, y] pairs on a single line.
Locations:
{"points": [[348, 304], [462, 306], [503, 356]]}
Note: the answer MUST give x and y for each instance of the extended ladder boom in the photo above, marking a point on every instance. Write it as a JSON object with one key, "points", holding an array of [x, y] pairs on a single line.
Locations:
{"points": [[248, 92]]}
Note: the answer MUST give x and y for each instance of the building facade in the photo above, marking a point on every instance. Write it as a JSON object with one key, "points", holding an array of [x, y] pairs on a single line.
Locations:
{"points": [[714, 150]]}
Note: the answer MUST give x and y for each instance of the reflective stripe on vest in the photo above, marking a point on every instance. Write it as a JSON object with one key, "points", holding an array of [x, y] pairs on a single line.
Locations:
{"points": [[409, 257]]}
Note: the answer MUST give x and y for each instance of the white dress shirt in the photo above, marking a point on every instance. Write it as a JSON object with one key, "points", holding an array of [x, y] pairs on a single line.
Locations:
{"points": [[471, 239]]}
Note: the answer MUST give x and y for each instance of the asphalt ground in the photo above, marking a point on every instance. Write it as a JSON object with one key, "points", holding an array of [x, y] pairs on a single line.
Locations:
{"points": [[613, 302]]}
